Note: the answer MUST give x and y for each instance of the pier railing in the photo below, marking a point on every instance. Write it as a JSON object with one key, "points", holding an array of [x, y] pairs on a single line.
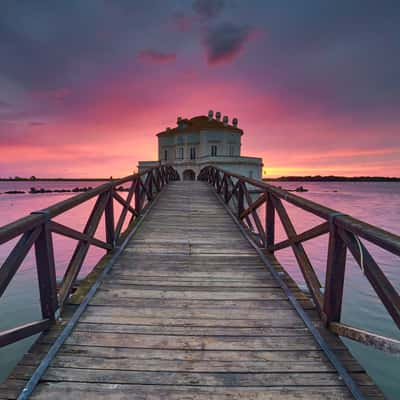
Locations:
{"points": [[345, 234], [37, 230]]}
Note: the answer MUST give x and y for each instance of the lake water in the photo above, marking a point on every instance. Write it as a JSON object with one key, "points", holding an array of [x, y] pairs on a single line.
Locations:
{"points": [[377, 203]]}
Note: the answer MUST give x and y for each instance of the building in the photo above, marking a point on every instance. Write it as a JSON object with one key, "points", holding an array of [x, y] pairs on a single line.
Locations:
{"points": [[204, 140]]}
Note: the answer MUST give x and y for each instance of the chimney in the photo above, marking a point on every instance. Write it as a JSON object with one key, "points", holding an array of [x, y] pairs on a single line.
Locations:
{"points": [[235, 122], [210, 115], [225, 120], [218, 116]]}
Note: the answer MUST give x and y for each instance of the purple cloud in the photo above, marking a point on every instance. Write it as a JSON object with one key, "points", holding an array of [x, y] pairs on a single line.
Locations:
{"points": [[208, 8], [37, 123], [224, 42], [156, 57], [4, 104], [182, 22]]}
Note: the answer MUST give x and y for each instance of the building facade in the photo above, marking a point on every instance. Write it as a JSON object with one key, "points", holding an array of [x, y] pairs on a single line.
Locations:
{"points": [[204, 140]]}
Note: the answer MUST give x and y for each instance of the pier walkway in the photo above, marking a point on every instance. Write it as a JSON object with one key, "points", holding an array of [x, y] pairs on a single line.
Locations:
{"points": [[189, 307], [190, 311]]}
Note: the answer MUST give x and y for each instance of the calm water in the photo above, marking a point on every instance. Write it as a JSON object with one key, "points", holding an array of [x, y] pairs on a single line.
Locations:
{"points": [[376, 203]]}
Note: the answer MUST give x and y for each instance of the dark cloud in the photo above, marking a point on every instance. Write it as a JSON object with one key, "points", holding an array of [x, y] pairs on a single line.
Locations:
{"points": [[37, 123], [58, 94], [208, 8], [338, 55], [182, 22], [224, 42], [156, 57]]}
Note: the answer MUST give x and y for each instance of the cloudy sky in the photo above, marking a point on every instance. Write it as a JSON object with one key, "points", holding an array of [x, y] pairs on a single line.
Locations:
{"points": [[86, 84]]}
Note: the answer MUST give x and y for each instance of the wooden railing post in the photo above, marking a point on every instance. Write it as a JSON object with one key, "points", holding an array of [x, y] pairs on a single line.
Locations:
{"points": [[269, 222], [167, 177], [44, 253], [240, 199], [334, 280], [218, 182], [226, 189], [109, 220], [150, 188], [138, 195]]}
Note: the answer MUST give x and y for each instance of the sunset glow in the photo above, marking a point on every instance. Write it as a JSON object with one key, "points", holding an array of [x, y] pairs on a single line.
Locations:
{"points": [[86, 86]]}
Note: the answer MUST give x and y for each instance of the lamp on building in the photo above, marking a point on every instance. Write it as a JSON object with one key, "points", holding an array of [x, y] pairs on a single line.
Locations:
{"points": [[210, 115], [235, 122], [218, 116], [225, 120]]}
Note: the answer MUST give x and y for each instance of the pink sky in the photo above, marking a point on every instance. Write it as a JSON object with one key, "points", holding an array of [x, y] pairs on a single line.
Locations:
{"points": [[88, 103]]}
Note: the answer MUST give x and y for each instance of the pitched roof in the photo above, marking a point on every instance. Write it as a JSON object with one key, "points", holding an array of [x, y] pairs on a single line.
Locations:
{"points": [[200, 123]]}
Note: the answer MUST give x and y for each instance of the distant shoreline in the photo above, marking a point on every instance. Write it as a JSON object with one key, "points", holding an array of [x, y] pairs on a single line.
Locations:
{"points": [[54, 179], [316, 178], [333, 179]]}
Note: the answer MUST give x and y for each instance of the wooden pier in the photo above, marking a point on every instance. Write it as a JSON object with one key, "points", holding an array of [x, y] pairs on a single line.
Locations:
{"points": [[189, 308]]}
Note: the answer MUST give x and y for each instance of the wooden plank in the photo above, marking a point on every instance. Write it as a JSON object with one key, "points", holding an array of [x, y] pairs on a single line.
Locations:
{"points": [[388, 345], [46, 271], [254, 206], [334, 280], [74, 234], [303, 261], [269, 223], [190, 355], [302, 237], [106, 339], [20, 332], [109, 220], [16, 257], [126, 293], [126, 206], [105, 362], [261, 380], [82, 248], [282, 317], [172, 327], [95, 391]]}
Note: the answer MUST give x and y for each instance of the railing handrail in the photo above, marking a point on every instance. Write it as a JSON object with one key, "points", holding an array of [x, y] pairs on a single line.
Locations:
{"points": [[21, 225], [381, 237], [37, 229], [344, 233]]}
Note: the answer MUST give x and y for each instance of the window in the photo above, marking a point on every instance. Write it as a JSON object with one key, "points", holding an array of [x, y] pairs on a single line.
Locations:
{"points": [[251, 174], [231, 149], [165, 155], [193, 153], [213, 150], [179, 154]]}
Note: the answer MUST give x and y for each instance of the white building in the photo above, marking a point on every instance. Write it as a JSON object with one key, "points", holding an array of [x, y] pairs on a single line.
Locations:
{"points": [[200, 141]]}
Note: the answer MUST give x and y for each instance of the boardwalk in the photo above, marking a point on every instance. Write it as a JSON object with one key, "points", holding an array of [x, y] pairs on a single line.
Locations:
{"points": [[189, 311]]}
